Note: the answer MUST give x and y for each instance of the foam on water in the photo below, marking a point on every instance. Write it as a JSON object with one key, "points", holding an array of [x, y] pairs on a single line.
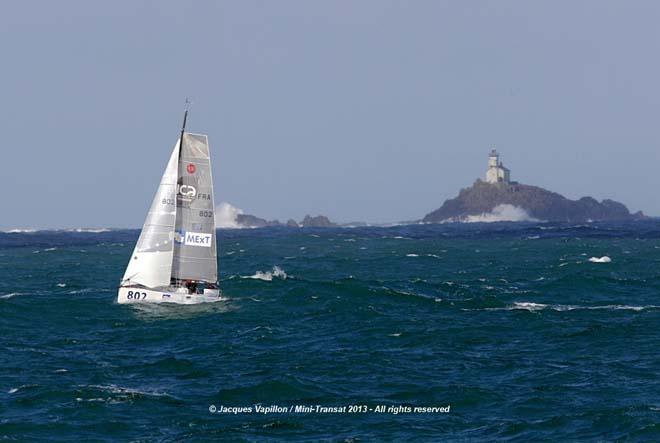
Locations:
{"points": [[530, 306], [276, 272]]}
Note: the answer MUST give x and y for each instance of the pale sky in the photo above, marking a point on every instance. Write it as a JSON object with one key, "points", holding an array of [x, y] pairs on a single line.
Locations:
{"points": [[359, 110]]}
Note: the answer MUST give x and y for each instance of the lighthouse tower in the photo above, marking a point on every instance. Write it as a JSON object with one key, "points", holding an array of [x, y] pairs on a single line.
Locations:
{"points": [[497, 173]]}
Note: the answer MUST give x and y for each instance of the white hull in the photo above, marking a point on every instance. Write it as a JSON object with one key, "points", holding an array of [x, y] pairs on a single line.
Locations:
{"points": [[177, 295]]}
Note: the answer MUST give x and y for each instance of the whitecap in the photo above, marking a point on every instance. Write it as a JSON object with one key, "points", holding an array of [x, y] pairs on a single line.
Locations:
{"points": [[88, 230], [81, 291], [528, 306], [15, 390], [276, 272], [61, 285], [10, 295], [603, 259], [114, 389], [412, 255]]}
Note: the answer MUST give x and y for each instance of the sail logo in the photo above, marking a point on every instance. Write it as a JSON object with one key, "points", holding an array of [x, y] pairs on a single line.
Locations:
{"points": [[193, 238], [187, 191], [191, 168]]}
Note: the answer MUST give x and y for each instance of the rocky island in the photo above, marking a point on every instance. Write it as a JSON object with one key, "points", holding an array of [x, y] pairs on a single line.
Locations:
{"points": [[252, 221], [500, 199]]}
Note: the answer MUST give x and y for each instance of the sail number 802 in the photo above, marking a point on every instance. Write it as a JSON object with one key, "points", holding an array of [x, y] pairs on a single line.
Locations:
{"points": [[136, 295]]}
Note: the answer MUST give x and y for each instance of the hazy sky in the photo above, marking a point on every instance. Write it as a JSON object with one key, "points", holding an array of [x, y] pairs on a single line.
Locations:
{"points": [[360, 110]]}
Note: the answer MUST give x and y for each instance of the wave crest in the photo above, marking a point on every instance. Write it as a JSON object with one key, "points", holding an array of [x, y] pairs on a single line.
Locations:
{"points": [[501, 213], [276, 272]]}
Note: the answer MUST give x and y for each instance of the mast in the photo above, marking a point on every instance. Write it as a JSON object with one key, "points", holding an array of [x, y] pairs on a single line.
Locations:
{"points": [[183, 128], [176, 200]]}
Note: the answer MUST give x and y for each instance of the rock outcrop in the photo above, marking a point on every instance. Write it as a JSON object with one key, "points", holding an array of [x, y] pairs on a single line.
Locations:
{"points": [[320, 221], [481, 198], [252, 221]]}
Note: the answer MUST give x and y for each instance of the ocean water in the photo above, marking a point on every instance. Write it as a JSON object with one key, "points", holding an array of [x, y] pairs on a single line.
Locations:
{"points": [[509, 324]]}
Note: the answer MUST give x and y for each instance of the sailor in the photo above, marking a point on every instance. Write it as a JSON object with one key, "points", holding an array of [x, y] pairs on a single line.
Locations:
{"points": [[192, 286]]}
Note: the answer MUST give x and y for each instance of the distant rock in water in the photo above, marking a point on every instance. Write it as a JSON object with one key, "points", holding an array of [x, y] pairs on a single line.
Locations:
{"points": [[252, 221], [231, 217], [320, 221], [511, 201]]}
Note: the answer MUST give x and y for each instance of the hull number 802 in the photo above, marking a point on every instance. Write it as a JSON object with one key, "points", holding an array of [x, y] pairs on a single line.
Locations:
{"points": [[136, 295]]}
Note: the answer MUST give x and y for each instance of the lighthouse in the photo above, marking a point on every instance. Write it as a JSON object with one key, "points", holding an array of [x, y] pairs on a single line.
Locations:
{"points": [[497, 173]]}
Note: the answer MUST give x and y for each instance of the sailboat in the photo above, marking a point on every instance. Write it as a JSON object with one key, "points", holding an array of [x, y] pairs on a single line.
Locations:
{"points": [[175, 259]]}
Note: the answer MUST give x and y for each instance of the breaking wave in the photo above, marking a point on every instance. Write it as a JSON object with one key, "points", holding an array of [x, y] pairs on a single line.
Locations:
{"points": [[276, 272], [501, 213], [225, 216]]}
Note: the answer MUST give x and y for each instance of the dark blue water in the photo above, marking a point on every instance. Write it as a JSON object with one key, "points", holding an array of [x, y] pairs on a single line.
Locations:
{"points": [[509, 324]]}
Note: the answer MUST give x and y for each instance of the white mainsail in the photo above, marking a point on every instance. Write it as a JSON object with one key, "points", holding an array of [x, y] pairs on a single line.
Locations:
{"points": [[151, 262]]}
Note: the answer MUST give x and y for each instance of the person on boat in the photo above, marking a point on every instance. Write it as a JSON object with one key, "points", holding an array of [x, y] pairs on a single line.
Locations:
{"points": [[191, 286]]}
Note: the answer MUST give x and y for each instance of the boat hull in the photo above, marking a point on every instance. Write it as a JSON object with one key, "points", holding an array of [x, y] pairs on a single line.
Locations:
{"points": [[128, 295]]}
